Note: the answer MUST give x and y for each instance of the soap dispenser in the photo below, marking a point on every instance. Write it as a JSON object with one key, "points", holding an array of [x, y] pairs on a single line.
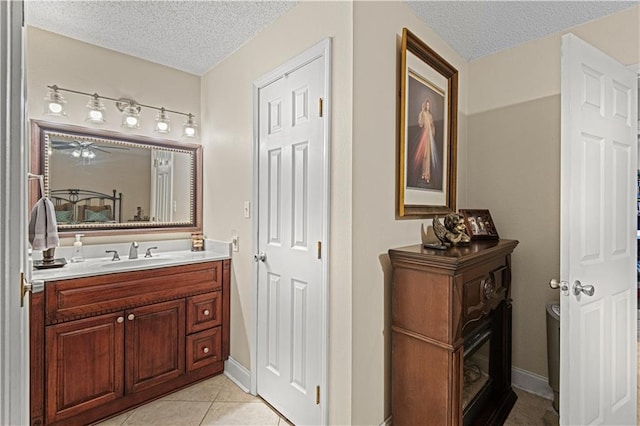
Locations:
{"points": [[77, 256]]}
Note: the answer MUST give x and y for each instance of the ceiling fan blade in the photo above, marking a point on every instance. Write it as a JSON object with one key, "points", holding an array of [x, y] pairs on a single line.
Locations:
{"points": [[112, 147], [64, 147], [62, 143], [95, 147]]}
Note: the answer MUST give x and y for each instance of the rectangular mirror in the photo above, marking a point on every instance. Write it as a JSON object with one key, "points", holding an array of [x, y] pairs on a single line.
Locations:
{"points": [[104, 182]]}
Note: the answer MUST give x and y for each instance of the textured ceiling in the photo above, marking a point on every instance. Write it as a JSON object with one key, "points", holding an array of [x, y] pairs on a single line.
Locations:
{"points": [[194, 35], [479, 28], [191, 36]]}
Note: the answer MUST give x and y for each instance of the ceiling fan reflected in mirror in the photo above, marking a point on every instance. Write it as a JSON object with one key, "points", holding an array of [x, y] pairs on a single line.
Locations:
{"points": [[83, 150]]}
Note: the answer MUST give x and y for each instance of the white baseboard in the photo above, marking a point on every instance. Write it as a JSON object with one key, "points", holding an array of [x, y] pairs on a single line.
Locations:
{"points": [[531, 382], [238, 374]]}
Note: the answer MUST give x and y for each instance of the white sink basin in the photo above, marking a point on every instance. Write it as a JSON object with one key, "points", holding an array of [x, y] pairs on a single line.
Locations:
{"points": [[124, 262]]}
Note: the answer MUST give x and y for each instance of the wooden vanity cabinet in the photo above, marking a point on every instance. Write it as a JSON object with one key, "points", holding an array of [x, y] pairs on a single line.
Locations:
{"points": [[101, 345], [451, 334]]}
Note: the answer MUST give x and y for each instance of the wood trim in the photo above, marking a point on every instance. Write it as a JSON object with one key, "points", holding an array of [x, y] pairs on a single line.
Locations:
{"points": [[79, 297], [226, 308], [36, 358]]}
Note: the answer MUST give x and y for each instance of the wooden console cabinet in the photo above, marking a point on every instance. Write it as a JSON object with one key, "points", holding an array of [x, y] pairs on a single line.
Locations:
{"points": [[445, 304], [103, 344]]}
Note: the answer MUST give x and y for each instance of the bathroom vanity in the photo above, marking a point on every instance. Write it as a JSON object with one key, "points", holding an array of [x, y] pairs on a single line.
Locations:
{"points": [[102, 344], [451, 341]]}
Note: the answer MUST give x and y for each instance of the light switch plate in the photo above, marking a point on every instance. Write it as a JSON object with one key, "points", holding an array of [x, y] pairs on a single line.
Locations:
{"points": [[247, 209], [234, 240]]}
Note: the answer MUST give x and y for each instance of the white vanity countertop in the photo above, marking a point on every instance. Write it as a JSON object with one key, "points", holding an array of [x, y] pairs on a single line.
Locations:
{"points": [[97, 262]]}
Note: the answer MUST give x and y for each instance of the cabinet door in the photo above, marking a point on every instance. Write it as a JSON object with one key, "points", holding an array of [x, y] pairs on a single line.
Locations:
{"points": [[155, 344], [84, 366]]}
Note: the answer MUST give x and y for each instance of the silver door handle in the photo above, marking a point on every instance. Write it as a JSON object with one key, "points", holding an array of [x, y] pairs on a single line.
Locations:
{"points": [[262, 256], [562, 285], [578, 288]]}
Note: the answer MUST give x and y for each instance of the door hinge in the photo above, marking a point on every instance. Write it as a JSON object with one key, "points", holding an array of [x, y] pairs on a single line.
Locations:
{"points": [[319, 249], [320, 102], [317, 395]]}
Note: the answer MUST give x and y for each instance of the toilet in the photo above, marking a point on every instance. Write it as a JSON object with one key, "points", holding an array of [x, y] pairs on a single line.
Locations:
{"points": [[553, 351]]}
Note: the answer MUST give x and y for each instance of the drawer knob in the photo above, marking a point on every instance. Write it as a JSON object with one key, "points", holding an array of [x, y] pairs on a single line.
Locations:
{"points": [[130, 317], [205, 350], [206, 312], [120, 320]]}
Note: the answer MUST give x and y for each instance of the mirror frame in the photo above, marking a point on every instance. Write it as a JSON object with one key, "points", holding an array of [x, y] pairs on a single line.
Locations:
{"points": [[39, 130]]}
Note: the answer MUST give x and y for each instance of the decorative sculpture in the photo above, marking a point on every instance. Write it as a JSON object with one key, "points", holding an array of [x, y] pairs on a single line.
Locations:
{"points": [[453, 232]]}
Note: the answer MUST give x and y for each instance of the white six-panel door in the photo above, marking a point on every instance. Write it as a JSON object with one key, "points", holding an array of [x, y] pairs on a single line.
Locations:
{"points": [[14, 326], [598, 237], [290, 268]]}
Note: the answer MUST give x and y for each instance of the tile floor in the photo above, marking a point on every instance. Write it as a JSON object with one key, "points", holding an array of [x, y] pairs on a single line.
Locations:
{"points": [[218, 401]]}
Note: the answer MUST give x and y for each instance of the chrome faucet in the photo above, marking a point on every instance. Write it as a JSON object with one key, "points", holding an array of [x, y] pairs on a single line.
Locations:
{"points": [[115, 254], [133, 250]]}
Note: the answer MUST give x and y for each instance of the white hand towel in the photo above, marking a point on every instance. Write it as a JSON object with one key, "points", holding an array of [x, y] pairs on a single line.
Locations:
{"points": [[43, 226]]}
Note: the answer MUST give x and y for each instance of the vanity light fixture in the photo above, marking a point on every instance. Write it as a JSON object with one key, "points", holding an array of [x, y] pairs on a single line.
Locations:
{"points": [[130, 112], [163, 124], [189, 129], [96, 110], [54, 102]]}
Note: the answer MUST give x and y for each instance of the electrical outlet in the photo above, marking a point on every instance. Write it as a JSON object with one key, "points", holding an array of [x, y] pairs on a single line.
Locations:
{"points": [[247, 209]]}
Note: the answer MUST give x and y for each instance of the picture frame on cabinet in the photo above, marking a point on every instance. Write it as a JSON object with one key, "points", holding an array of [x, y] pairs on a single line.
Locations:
{"points": [[479, 224], [427, 143]]}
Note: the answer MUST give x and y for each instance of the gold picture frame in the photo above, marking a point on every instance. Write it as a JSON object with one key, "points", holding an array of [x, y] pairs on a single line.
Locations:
{"points": [[427, 145]]}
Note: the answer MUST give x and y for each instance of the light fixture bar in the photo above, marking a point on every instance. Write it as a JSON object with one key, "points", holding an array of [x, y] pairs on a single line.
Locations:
{"points": [[121, 100]]}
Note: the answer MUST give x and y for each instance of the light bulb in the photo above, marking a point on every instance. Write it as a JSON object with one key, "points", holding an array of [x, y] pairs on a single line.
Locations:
{"points": [[55, 108], [92, 155], [76, 153], [130, 114], [85, 153], [96, 110], [189, 127], [163, 124], [54, 103], [131, 121]]}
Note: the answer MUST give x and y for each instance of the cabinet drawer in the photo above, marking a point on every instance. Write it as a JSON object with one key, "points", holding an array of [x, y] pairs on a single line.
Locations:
{"points": [[481, 295], [204, 311], [204, 348], [80, 297]]}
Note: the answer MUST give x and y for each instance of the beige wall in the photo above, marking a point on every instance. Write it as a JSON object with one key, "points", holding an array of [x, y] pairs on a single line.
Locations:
{"points": [[227, 105], [514, 132], [376, 40], [72, 64]]}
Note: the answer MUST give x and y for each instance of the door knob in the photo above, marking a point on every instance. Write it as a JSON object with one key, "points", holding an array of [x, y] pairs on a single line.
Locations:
{"points": [[262, 256], [578, 288], [562, 285]]}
